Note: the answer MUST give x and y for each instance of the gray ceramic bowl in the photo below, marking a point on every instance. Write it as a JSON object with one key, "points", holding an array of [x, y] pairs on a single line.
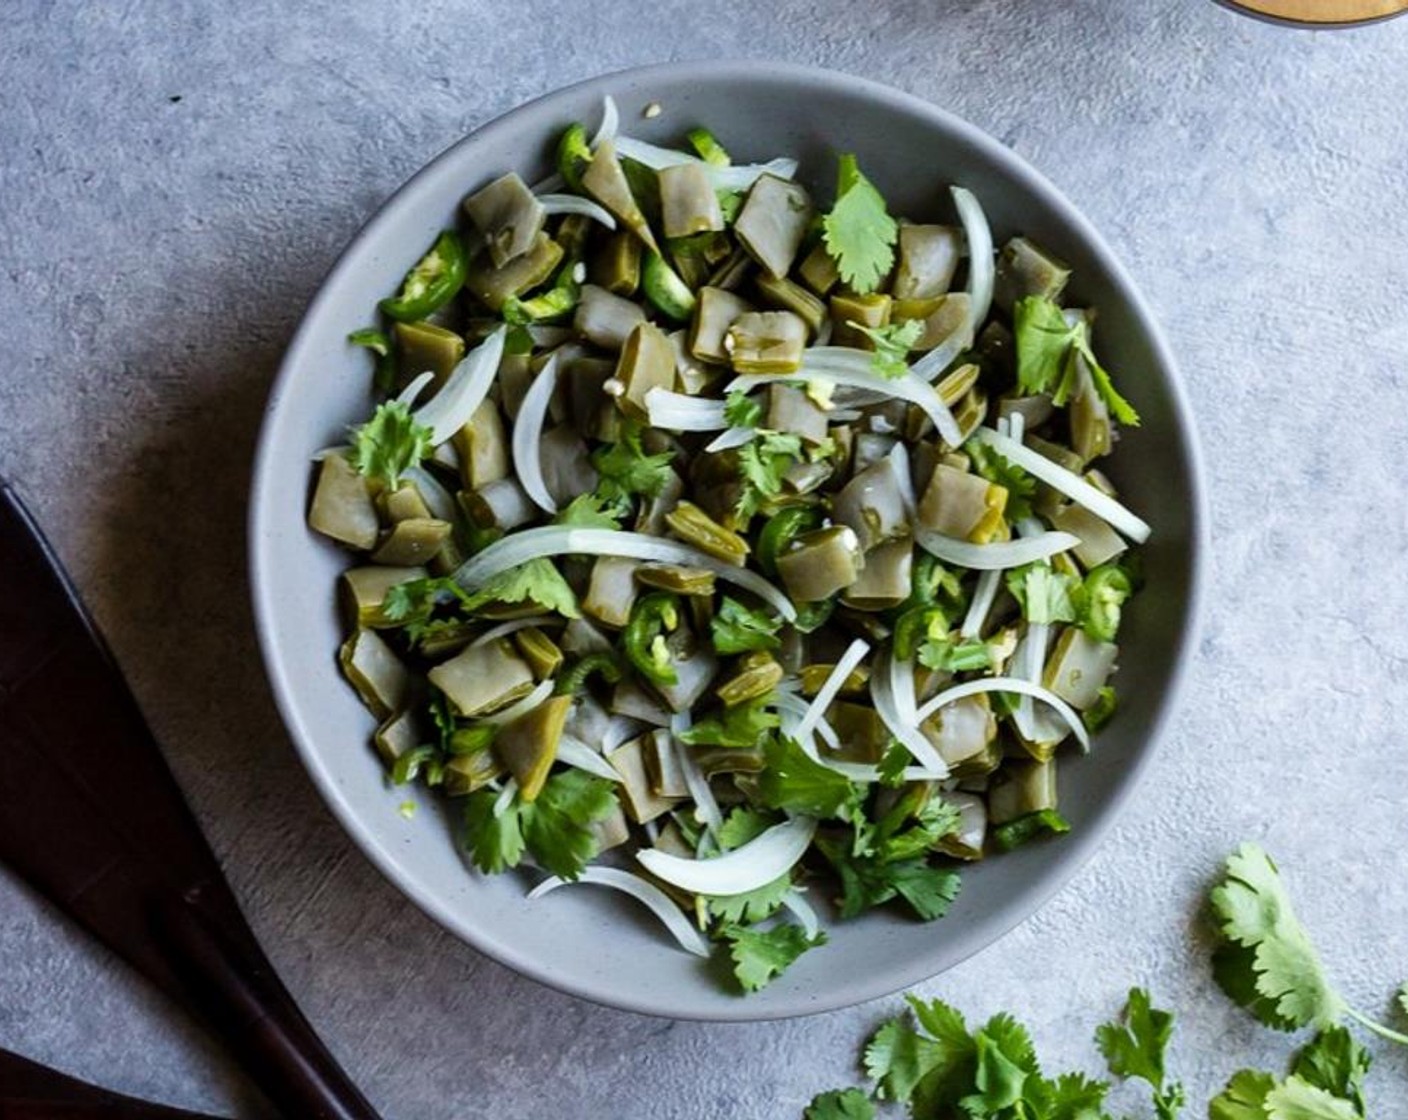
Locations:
{"points": [[593, 943]]}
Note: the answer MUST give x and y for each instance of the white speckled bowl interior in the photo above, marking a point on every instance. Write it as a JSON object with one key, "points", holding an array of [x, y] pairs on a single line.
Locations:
{"points": [[596, 944]]}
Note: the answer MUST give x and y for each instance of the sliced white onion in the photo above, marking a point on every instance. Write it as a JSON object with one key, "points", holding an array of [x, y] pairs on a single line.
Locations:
{"points": [[984, 594], [884, 684], [643, 891], [559, 540], [576, 204], [904, 477], [853, 656], [553, 182], [732, 178], [465, 389], [506, 796], [796, 903], [733, 437], [527, 441], [855, 371], [680, 412], [619, 729], [521, 707], [706, 805], [576, 753], [995, 557], [408, 395], [437, 499], [755, 864], [610, 123], [981, 271], [1011, 684], [1068, 482], [823, 335], [504, 629]]}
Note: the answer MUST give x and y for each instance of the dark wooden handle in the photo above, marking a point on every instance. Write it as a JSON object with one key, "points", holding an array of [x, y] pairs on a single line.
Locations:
{"points": [[92, 818]]}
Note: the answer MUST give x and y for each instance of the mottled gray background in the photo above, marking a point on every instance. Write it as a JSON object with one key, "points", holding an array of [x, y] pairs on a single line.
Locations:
{"points": [[174, 181]]}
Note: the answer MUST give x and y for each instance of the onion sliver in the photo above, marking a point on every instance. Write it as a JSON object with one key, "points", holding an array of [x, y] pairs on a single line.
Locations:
{"points": [[465, 389], [506, 796], [733, 437], [1068, 482], [521, 707], [437, 499], [528, 436], [576, 204], [984, 595], [981, 271], [796, 903], [752, 865], [831, 686], [856, 372], [995, 557], [705, 803], [412, 392], [732, 178], [576, 753], [503, 630], [680, 412], [610, 123], [643, 891], [557, 540], [1011, 684], [903, 726]]}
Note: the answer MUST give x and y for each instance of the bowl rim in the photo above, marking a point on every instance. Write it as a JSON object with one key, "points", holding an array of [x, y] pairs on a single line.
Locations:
{"points": [[1077, 848]]}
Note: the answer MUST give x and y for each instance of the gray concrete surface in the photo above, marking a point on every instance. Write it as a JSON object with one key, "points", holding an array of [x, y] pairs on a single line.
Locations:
{"points": [[175, 179]]}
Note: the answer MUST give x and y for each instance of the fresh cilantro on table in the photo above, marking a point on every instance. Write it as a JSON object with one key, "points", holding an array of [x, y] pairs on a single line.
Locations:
{"points": [[840, 1104], [858, 232], [1049, 353], [555, 828], [739, 629], [1136, 1047], [892, 343], [760, 955], [390, 444]]}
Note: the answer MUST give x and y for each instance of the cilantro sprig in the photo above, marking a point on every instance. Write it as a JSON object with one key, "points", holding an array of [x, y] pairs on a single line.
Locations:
{"points": [[892, 345], [390, 444], [555, 828], [859, 232], [1049, 353]]}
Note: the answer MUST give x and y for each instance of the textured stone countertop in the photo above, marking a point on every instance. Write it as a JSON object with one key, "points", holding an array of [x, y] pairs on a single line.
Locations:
{"points": [[176, 179]]}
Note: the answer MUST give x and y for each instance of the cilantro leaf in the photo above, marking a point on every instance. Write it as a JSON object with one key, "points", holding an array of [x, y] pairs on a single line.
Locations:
{"points": [[1025, 829], [952, 654], [936, 819], [761, 955], [536, 581], [626, 469], [793, 781], [892, 345], [859, 233], [555, 827], [1297, 1099], [991, 465], [1000, 1079], [743, 824], [1049, 353], [1045, 594], [741, 411], [1335, 1062], [899, 1058], [1137, 1046], [868, 881], [750, 906], [1244, 1098], [1272, 969], [893, 764], [389, 444], [737, 629], [762, 463], [412, 604], [840, 1104], [593, 511], [739, 726], [1072, 1096]]}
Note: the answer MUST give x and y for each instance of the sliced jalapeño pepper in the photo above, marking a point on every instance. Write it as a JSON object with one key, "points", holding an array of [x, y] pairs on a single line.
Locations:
{"points": [[432, 283], [779, 530], [643, 640]]}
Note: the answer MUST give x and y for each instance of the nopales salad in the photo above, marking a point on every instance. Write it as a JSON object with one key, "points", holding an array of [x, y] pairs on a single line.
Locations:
{"points": [[732, 548]]}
